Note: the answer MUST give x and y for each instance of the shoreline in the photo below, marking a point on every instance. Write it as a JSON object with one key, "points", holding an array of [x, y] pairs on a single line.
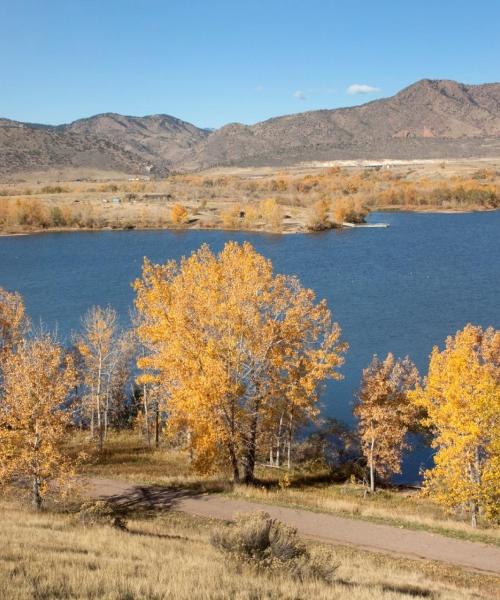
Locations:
{"points": [[292, 231]]}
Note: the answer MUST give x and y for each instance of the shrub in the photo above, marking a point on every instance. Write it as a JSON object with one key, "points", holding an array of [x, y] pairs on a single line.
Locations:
{"points": [[57, 217], [53, 189], [263, 542], [100, 513]]}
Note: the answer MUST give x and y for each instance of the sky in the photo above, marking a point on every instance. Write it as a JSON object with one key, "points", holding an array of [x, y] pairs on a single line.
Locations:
{"points": [[212, 62]]}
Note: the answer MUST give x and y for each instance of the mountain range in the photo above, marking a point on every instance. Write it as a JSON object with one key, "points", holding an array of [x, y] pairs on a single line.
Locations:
{"points": [[428, 119]]}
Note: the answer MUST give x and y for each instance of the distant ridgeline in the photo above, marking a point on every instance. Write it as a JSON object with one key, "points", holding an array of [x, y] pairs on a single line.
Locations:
{"points": [[429, 119]]}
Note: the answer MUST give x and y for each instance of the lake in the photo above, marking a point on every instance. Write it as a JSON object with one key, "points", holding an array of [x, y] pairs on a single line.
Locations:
{"points": [[401, 289]]}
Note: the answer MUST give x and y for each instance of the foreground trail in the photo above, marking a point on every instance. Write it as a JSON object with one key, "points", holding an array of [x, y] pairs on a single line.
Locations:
{"points": [[325, 527]]}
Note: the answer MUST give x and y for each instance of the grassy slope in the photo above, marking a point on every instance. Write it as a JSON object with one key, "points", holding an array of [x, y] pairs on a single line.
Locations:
{"points": [[47, 556], [126, 458]]}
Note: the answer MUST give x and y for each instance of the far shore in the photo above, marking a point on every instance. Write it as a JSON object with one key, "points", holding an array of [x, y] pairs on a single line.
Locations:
{"points": [[287, 231], [279, 202]]}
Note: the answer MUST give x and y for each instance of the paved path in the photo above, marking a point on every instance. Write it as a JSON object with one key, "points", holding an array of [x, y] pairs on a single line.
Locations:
{"points": [[321, 526]]}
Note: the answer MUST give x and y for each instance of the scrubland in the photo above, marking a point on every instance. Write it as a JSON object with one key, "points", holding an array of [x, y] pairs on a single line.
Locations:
{"points": [[278, 201]]}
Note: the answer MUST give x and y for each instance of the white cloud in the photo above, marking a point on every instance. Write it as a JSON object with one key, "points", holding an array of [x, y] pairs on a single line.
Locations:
{"points": [[259, 88], [300, 95], [361, 88]]}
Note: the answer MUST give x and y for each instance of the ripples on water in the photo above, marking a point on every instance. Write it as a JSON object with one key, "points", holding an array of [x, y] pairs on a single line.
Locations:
{"points": [[401, 289]]}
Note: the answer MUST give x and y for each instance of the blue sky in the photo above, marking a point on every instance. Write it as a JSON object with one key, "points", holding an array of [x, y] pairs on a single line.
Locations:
{"points": [[214, 62]]}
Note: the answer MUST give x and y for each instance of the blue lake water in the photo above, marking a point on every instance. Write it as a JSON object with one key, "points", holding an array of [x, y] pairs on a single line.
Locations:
{"points": [[402, 289]]}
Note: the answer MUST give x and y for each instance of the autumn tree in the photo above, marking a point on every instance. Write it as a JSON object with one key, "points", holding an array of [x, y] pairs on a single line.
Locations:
{"points": [[271, 213], [349, 210], [385, 414], [230, 216], [461, 398], [106, 356], [13, 321], [179, 214], [38, 377], [319, 215], [118, 407], [233, 345]]}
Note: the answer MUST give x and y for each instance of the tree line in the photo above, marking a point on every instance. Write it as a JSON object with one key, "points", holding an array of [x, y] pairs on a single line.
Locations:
{"points": [[230, 360]]}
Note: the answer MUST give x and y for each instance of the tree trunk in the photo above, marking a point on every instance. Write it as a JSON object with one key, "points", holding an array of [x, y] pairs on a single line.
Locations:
{"points": [[36, 497], [251, 448], [157, 425], [234, 463], [98, 405], [278, 446], [190, 446], [473, 513], [105, 434], [372, 467], [289, 449], [146, 415], [236, 471], [249, 466], [106, 411], [475, 473]]}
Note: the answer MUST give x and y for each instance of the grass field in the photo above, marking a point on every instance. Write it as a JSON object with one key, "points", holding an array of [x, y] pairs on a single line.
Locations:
{"points": [[52, 556]]}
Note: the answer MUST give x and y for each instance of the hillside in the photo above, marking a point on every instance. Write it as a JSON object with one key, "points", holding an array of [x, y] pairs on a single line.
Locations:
{"points": [[159, 139], [27, 148], [429, 119]]}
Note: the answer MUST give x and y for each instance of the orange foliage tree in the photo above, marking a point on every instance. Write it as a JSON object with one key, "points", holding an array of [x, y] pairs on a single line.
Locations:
{"points": [[385, 414], [233, 345], [179, 214], [37, 379], [13, 320]]}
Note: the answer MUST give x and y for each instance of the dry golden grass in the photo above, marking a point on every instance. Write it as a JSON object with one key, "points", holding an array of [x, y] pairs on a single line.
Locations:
{"points": [[48, 556], [126, 457]]}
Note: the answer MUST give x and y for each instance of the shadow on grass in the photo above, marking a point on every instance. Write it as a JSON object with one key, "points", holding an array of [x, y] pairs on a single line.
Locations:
{"points": [[146, 499], [161, 536], [408, 590]]}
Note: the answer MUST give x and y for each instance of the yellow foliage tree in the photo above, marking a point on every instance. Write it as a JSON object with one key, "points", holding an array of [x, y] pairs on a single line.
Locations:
{"points": [[97, 346], [251, 215], [385, 414], [272, 213], [318, 215], [461, 397], [232, 344], [179, 214], [349, 210], [37, 380], [231, 217]]}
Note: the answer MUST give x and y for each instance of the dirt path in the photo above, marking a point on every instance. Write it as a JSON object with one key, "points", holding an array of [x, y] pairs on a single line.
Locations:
{"points": [[321, 526]]}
